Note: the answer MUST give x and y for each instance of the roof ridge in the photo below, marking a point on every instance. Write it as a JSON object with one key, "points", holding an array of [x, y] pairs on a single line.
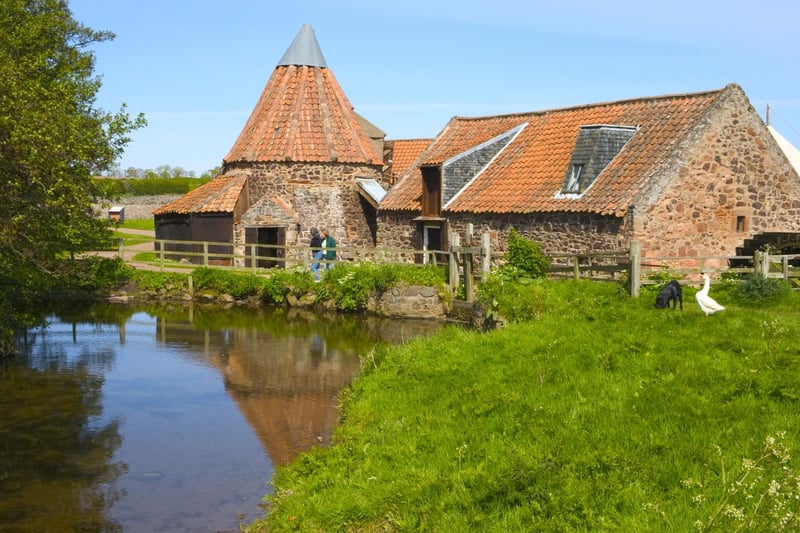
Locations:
{"points": [[541, 112]]}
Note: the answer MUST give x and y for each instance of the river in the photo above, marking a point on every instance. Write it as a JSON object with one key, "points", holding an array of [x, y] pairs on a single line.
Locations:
{"points": [[162, 420]]}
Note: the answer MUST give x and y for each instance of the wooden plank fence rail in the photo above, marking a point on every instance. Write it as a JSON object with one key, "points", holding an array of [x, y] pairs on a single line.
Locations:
{"points": [[250, 256], [460, 260]]}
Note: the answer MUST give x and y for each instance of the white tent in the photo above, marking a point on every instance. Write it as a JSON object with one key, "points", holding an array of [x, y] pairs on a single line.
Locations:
{"points": [[792, 153]]}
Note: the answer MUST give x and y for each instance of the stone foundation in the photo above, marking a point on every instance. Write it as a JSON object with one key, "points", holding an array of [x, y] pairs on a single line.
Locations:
{"points": [[412, 301]]}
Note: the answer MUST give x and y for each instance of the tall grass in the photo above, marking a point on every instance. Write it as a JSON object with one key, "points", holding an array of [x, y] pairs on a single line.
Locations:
{"points": [[602, 413]]}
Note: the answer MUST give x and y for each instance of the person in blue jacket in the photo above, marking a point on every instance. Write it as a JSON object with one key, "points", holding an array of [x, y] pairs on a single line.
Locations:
{"points": [[316, 252]]}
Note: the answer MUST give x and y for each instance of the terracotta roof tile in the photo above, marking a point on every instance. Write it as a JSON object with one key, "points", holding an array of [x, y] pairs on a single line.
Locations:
{"points": [[216, 196], [405, 152], [526, 176], [303, 115]]}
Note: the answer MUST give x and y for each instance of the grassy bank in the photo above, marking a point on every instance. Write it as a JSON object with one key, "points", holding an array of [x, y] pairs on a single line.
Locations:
{"points": [[600, 414]]}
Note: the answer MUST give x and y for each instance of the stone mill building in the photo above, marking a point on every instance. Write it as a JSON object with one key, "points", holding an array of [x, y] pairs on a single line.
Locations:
{"points": [[688, 175], [304, 159], [684, 175]]}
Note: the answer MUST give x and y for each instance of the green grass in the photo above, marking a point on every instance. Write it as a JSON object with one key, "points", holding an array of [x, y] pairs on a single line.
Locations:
{"points": [[145, 224], [602, 414], [130, 239]]}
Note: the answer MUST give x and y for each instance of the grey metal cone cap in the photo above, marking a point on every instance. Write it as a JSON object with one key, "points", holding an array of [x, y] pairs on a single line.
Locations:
{"points": [[304, 50]]}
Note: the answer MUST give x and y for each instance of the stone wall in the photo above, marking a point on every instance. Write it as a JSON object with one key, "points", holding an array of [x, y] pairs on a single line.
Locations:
{"points": [[560, 232], [396, 229], [401, 301], [409, 301], [136, 207], [556, 232], [729, 182], [315, 194]]}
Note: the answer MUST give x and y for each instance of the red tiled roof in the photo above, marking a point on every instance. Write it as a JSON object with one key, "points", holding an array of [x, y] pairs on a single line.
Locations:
{"points": [[527, 175], [405, 152], [303, 116], [217, 196]]}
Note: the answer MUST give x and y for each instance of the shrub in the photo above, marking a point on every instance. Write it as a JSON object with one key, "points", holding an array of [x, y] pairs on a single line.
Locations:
{"points": [[526, 256], [90, 274], [758, 289], [155, 281], [350, 287], [281, 283], [238, 285]]}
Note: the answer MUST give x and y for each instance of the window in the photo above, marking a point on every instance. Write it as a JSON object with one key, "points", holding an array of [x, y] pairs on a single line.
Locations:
{"points": [[741, 224], [574, 178]]}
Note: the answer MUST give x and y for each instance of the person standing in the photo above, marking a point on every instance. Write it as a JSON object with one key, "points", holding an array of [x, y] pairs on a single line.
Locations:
{"points": [[316, 252], [329, 245]]}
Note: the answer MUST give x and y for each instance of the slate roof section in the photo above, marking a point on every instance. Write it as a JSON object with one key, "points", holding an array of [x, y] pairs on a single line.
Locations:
{"points": [[216, 196], [528, 174], [303, 116]]}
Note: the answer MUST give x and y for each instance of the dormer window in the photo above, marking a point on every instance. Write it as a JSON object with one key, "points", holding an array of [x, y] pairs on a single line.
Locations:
{"points": [[595, 147], [574, 178]]}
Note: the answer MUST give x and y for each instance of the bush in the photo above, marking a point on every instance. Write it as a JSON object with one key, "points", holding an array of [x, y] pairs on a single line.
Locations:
{"points": [[351, 287], [281, 283], [155, 281], [90, 274], [526, 257], [238, 285], [758, 289]]}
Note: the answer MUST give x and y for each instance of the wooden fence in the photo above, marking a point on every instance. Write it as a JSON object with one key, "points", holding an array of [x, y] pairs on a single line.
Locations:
{"points": [[466, 263], [640, 271]]}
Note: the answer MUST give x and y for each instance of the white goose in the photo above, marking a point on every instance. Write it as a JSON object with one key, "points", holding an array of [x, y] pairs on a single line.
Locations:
{"points": [[707, 304]]}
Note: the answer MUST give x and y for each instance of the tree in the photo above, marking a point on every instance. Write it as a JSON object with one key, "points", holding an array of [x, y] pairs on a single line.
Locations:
{"points": [[133, 172], [52, 140]]}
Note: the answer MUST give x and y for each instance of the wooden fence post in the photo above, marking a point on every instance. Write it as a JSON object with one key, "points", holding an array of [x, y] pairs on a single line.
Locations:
{"points": [[469, 286], [486, 256], [635, 268], [455, 240]]}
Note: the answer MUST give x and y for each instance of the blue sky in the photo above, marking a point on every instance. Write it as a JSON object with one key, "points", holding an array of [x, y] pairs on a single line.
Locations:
{"points": [[196, 68]]}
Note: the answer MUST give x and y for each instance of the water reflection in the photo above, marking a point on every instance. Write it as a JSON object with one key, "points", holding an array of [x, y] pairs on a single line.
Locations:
{"points": [[169, 419], [57, 471]]}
